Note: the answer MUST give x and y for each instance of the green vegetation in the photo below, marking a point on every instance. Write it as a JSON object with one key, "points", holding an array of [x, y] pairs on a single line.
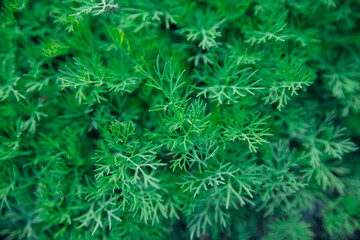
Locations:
{"points": [[210, 119]]}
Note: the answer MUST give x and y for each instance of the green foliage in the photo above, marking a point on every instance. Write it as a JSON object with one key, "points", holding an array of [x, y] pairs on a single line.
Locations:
{"points": [[227, 82], [179, 119], [291, 228]]}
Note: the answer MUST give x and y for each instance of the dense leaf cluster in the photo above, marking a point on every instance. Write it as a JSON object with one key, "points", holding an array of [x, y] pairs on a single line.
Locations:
{"points": [[210, 119]]}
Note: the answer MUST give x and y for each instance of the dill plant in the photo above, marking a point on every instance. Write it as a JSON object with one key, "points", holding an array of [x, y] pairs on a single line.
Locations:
{"points": [[179, 119]]}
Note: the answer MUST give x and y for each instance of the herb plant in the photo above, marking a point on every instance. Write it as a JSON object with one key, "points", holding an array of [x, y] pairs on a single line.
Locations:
{"points": [[209, 119]]}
